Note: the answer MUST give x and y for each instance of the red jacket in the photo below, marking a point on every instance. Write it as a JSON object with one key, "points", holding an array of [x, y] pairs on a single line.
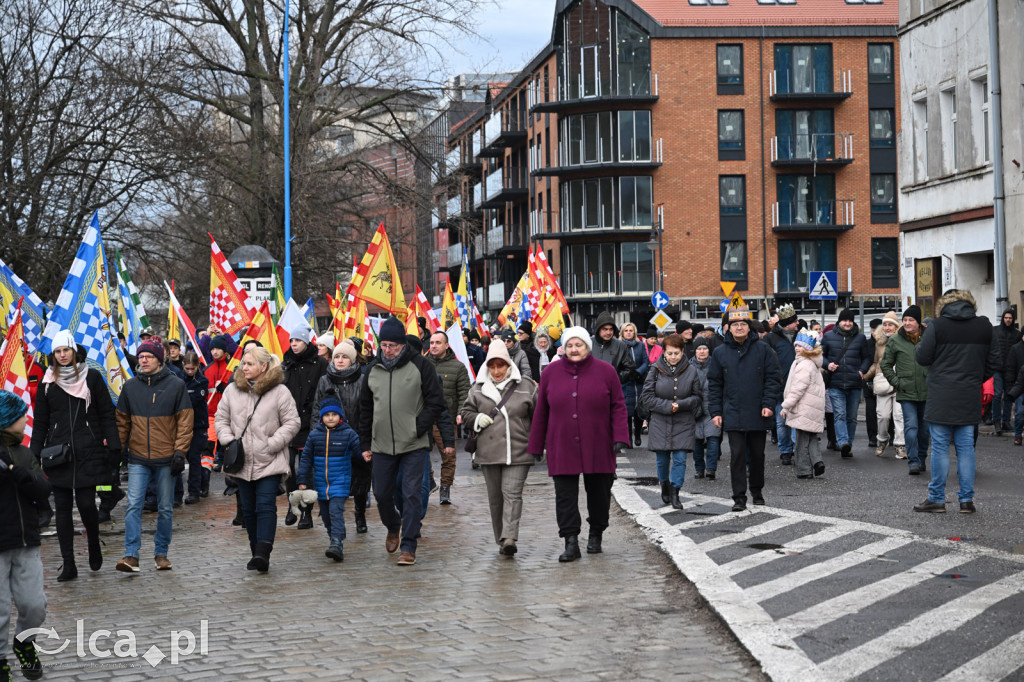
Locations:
{"points": [[218, 375]]}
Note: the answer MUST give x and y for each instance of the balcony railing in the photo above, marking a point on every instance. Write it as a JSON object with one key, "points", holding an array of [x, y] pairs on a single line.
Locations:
{"points": [[781, 86], [452, 160], [495, 181], [492, 129], [478, 195], [821, 148], [506, 184], [453, 207], [496, 295], [477, 251], [821, 214], [455, 254], [504, 127], [495, 238]]}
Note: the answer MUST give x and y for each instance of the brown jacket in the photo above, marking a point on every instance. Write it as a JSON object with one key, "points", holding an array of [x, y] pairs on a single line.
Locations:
{"points": [[275, 421], [154, 417]]}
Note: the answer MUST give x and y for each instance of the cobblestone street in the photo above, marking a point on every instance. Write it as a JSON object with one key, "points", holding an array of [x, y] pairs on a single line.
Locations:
{"points": [[463, 611]]}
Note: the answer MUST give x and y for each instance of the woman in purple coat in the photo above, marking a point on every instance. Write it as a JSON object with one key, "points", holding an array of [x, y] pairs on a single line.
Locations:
{"points": [[580, 419]]}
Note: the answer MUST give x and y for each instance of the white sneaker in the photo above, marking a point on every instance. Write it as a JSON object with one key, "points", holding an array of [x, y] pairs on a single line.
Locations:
{"points": [[901, 452]]}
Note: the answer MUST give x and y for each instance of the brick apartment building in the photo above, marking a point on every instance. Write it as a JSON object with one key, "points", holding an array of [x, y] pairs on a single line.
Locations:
{"points": [[743, 140]]}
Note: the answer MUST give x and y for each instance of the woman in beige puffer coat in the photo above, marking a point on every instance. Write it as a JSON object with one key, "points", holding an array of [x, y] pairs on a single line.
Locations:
{"points": [[258, 396], [803, 404]]}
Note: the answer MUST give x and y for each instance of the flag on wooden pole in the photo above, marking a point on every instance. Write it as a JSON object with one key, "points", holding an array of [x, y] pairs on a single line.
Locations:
{"points": [[230, 307], [376, 279]]}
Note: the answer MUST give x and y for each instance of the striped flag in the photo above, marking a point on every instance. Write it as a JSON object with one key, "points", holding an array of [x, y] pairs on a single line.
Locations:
{"points": [[423, 309], [132, 313], [230, 307], [262, 330], [376, 279], [186, 323], [83, 308], [14, 371], [33, 310]]}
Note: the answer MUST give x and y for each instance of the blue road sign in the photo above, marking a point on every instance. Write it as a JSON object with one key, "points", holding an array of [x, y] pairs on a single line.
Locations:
{"points": [[724, 305], [822, 285], [659, 300]]}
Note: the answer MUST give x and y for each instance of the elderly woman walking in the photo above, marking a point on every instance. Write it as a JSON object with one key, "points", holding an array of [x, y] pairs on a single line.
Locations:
{"points": [[673, 392], [499, 409], [258, 408], [580, 420]]}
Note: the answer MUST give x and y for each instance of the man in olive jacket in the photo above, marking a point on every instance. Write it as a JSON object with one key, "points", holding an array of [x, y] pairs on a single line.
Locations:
{"points": [[400, 401], [154, 421], [455, 384], [900, 368]]}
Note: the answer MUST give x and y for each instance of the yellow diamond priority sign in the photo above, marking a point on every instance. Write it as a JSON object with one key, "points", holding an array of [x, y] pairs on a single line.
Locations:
{"points": [[661, 320]]}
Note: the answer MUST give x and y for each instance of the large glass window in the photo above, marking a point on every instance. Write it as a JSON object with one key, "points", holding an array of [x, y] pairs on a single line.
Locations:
{"points": [[798, 257], [730, 129], [591, 268], [885, 271], [734, 261], [883, 193], [807, 199], [881, 133], [634, 57], [880, 63], [729, 60], [587, 58], [803, 69], [588, 204], [637, 268], [732, 194], [635, 202], [589, 139], [805, 134], [634, 136]]}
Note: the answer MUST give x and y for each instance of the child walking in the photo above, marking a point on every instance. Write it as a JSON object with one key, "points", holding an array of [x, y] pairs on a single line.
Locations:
{"points": [[803, 404], [326, 464], [23, 489]]}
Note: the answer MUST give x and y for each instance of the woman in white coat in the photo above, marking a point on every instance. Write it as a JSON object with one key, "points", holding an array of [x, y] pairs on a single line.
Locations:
{"points": [[803, 404]]}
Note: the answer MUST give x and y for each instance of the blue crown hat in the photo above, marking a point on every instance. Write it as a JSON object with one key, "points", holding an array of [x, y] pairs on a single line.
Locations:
{"points": [[807, 339], [331, 405]]}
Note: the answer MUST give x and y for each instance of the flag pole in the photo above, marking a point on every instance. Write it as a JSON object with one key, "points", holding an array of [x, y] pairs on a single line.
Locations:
{"points": [[287, 168]]}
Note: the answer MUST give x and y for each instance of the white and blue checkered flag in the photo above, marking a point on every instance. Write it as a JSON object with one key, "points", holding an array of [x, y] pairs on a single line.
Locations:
{"points": [[33, 318], [83, 308]]}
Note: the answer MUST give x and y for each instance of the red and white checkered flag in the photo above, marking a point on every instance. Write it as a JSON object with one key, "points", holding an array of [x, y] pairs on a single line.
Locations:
{"points": [[230, 307]]}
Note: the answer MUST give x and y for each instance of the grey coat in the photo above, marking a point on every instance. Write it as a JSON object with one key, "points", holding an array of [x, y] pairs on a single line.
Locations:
{"points": [[666, 385], [504, 441], [705, 426]]}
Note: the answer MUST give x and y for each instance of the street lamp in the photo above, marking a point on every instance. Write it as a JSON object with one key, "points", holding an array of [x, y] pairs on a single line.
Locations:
{"points": [[654, 244], [287, 167]]}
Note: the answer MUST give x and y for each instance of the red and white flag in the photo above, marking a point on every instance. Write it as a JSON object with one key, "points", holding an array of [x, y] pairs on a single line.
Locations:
{"points": [[13, 371], [185, 322], [423, 309], [230, 307]]}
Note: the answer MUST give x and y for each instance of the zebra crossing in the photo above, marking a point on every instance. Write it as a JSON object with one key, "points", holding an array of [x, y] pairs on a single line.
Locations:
{"points": [[819, 598]]}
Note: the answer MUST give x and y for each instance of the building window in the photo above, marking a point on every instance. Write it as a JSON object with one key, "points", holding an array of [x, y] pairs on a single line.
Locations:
{"points": [[799, 257], [637, 268], [881, 133], [634, 57], [883, 193], [885, 271], [634, 136], [803, 69], [807, 199], [947, 109], [588, 204], [589, 139], [730, 135], [979, 119], [586, 57], [880, 63], [921, 138], [729, 66], [805, 134], [635, 202], [591, 269], [732, 195], [734, 261]]}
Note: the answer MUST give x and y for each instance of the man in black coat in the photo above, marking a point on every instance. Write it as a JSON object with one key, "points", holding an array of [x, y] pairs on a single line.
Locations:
{"points": [[846, 357], [960, 348], [781, 339], [610, 349], [303, 368], [744, 386], [525, 337], [1005, 335], [1011, 369]]}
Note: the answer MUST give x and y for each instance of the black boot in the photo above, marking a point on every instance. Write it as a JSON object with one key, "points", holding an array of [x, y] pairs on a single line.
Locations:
{"points": [[676, 504], [572, 549], [305, 517], [666, 492], [290, 518], [238, 520], [95, 551], [360, 521], [68, 571], [260, 557], [594, 543]]}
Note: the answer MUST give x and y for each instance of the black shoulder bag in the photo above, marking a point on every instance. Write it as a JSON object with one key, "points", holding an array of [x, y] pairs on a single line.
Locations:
{"points": [[55, 456], [234, 453], [826, 374], [471, 441]]}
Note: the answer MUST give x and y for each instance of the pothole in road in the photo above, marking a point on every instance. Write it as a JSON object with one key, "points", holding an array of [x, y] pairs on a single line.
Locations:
{"points": [[764, 546]]}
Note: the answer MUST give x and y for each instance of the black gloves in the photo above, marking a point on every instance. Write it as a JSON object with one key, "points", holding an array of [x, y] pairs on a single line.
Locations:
{"points": [[619, 447], [177, 463], [537, 458]]}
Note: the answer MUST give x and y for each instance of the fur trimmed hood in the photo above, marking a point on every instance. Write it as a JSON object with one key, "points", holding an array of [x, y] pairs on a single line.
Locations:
{"points": [[272, 377], [880, 338], [955, 296]]}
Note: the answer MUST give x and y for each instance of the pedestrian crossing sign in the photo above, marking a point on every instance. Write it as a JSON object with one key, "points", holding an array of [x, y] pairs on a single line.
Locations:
{"points": [[661, 320], [822, 285]]}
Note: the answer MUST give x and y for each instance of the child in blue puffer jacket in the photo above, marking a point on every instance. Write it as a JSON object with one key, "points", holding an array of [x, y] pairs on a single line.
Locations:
{"points": [[326, 465]]}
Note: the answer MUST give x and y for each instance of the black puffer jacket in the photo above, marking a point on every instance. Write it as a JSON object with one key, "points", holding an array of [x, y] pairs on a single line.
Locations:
{"points": [[55, 411], [782, 344], [302, 372], [343, 384], [613, 351], [22, 490], [856, 361], [960, 349], [1005, 337]]}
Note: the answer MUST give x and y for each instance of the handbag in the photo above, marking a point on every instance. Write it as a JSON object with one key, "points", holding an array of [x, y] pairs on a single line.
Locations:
{"points": [[471, 441], [55, 456], [827, 374], [234, 453]]}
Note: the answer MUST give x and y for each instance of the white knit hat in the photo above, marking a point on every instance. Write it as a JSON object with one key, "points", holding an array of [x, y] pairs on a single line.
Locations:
{"points": [[64, 339], [326, 340], [577, 333]]}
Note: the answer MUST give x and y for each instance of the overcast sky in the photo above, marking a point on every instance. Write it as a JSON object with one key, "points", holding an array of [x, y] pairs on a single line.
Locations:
{"points": [[511, 34]]}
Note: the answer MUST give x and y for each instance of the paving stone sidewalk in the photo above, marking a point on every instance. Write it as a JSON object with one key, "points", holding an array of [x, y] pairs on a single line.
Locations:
{"points": [[462, 612]]}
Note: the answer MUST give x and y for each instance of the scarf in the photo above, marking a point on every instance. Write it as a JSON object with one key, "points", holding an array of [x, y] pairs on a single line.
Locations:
{"points": [[65, 378]]}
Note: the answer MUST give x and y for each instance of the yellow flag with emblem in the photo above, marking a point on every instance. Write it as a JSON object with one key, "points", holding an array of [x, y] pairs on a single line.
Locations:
{"points": [[449, 311], [376, 280]]}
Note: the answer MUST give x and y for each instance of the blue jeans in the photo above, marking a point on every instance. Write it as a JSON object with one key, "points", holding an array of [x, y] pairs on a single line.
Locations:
{"points": [[915, 431], [385, 475], [138, 478], [962, 438], [1002, 403], [1018, 417], [259, 507], [844, 411], [784, 433], [705, 453], [678, 461], [332, 512]]}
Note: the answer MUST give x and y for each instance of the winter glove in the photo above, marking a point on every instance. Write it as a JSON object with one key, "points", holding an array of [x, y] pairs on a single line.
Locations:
{"points": [[537, 458], [482, 422], [619, 447], [177, 463]]}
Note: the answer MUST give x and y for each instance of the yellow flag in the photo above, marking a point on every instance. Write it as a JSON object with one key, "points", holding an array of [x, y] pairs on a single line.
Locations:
{"points": [[449, 311], [172, 322], [376, 279]]}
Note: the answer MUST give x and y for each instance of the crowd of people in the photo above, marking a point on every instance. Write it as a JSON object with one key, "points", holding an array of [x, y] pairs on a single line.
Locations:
{"points": [[332, 421]]}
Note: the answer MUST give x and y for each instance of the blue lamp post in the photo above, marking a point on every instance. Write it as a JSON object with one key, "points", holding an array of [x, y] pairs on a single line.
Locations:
{"points": [[287, 167]]}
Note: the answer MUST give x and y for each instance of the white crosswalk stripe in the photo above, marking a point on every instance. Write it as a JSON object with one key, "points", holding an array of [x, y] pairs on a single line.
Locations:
{"points": [[751, 532], [795, 547], [998, 662]]}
